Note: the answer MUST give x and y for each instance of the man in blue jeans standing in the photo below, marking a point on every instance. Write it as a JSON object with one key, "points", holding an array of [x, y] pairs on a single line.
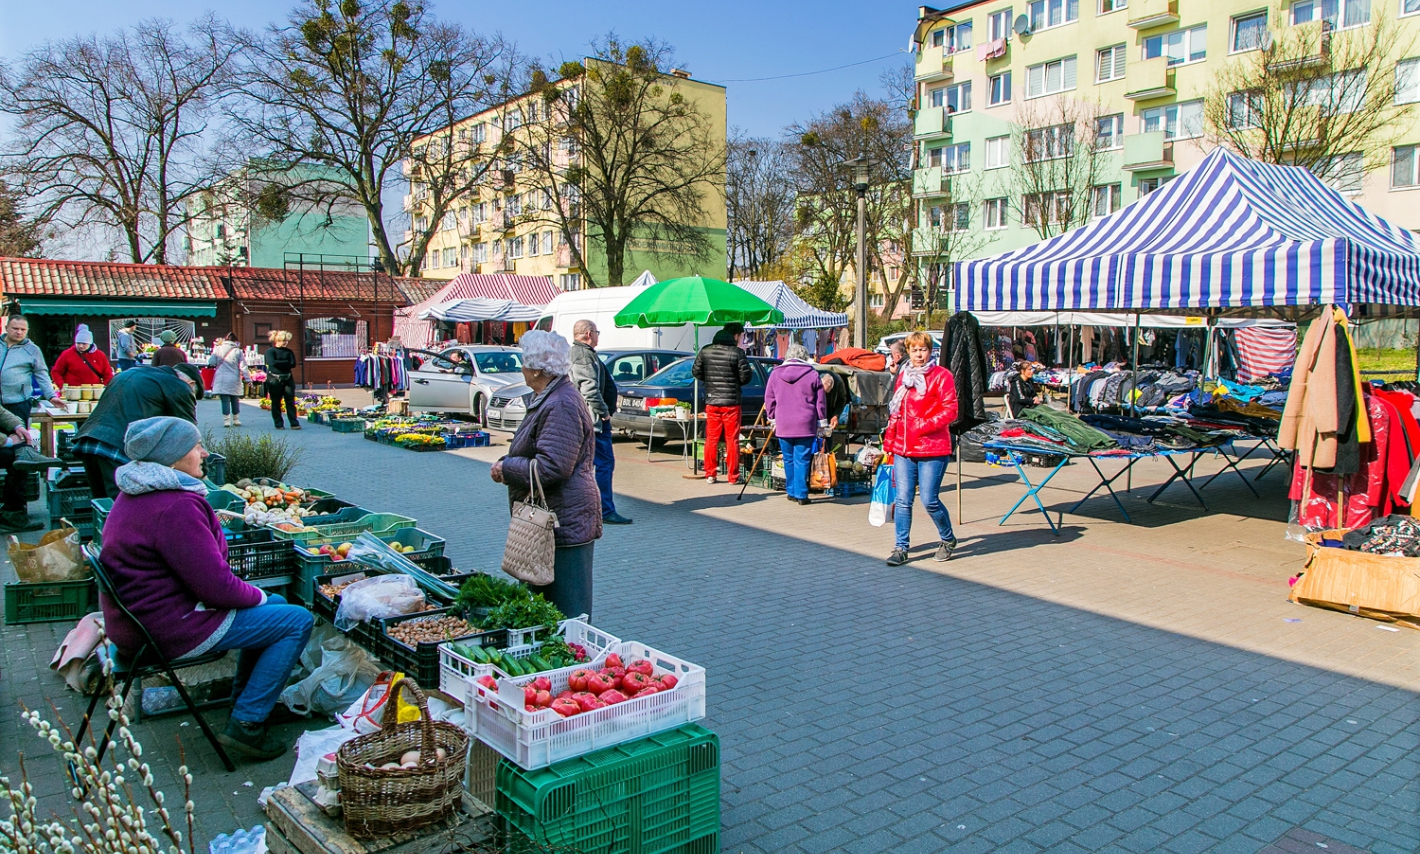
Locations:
{"points": [[599, 390]]}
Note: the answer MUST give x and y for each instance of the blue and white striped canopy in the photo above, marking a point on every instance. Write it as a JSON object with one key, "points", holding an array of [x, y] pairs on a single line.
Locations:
{"points": [[797, 313], [1231, 232]]}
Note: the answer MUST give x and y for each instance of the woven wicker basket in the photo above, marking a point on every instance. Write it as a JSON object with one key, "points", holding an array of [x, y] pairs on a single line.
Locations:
{"points": [[378, 802]]}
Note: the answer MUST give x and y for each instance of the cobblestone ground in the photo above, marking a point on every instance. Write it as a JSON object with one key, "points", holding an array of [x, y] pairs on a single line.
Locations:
{"points": [[1113, 688]]}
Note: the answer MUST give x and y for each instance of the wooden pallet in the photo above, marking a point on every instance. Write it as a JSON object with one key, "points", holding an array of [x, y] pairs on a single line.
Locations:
{"points": [[295, 825]]}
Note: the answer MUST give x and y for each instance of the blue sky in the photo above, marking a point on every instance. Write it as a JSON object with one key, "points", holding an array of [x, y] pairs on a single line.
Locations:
{"points": [[723, 42]]}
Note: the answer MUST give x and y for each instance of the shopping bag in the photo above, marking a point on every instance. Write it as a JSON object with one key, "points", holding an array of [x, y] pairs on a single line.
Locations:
{"points": [[365, 714], [56, 557], [884, 495], [823, 470], [342, 676], [531, 547]]}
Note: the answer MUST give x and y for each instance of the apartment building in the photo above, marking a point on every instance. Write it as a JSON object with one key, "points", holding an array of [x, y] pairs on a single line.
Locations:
{"points": [[507, 223], [984, 70]]}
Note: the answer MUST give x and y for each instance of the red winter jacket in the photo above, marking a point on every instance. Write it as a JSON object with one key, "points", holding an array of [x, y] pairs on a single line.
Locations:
{"points": [[75, 368], [921, 426]]}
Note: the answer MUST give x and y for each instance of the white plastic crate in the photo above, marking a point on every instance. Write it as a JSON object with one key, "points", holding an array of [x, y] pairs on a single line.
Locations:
{"points": [[457, 673], [538, 739]]}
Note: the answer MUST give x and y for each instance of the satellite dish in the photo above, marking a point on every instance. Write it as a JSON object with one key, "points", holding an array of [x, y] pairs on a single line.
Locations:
{"points": [[1264, 40], [1022, 26]]}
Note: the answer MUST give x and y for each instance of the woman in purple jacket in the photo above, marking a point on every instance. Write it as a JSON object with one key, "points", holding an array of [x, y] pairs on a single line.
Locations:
{"points": [[166, 554], [796, 404]]}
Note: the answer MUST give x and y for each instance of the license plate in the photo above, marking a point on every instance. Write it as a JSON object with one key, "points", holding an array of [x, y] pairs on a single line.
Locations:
{"points": [[495, 413], [632, 403]]}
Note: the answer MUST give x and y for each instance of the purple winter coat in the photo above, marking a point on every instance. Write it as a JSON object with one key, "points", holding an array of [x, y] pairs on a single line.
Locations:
{"points": [[795, 401], [557, 431], [166, 555]]}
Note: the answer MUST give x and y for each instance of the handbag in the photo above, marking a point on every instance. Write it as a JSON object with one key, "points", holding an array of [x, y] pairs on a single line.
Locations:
{"points": [[823, 471], [529, 552]]}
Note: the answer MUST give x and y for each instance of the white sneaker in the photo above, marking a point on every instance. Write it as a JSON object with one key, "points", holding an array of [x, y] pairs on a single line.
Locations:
{"points": [[710, 479]]}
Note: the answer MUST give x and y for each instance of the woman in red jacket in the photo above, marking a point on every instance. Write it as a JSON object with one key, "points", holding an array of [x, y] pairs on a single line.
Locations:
{"points": [[82, 364], [923, 407]]}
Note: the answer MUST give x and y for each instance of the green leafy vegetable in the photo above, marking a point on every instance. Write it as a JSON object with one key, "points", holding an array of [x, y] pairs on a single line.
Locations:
{"points": [[485, 591], [523, 613]]}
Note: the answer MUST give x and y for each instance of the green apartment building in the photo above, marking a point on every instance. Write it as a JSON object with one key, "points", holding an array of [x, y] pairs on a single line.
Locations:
{"points": [[1134, 71]]}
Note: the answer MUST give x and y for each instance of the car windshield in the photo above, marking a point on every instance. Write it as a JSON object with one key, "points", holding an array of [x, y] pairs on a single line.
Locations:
{"points": [[676, 375], [498, 363]]}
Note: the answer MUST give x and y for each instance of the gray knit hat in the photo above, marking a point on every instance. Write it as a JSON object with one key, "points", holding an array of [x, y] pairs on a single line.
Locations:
{"points": [[163, 439]]}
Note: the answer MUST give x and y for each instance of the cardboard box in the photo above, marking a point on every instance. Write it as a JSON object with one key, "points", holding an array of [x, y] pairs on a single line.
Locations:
{"points": [[1367, 585]]}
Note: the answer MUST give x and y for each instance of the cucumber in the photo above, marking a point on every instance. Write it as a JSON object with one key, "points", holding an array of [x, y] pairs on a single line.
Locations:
{"points": [[539, 664], [476, 653], [512, 666]]}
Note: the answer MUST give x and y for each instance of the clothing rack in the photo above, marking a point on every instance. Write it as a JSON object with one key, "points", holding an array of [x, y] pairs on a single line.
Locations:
{"points": [[385, 370]]}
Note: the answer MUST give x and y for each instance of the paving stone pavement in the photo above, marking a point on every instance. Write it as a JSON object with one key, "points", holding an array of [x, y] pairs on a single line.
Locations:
{"points": [[1114, 688]]}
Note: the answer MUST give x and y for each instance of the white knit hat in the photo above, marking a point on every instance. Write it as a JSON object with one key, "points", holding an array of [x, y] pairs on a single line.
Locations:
{"points": [[82, 335]]}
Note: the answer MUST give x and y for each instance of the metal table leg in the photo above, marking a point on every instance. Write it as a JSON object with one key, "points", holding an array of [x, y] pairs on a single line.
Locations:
{"points": [[1232, 463], [1033, 490], [1106, 483], [1181, 474]]}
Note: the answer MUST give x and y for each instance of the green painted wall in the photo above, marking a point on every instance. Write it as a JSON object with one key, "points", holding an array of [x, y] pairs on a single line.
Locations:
{"points": [[308, 232], [663, 265]]}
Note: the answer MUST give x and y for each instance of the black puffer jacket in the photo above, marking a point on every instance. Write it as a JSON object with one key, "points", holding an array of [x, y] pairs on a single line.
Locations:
{"points": [[135, 394], [724, 368], [963, 355], [557, 432]]}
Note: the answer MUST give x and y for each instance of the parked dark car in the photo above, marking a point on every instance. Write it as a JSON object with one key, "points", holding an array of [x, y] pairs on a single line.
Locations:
{"points": [[675, 382], [509, 405]]}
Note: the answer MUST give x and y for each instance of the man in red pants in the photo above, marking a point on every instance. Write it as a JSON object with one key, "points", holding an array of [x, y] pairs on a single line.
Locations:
{"points": [[724, 369]]}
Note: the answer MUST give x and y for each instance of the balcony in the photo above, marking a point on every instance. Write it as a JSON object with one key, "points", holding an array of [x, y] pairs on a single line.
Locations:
{"points": [[1306, 45], [934, 63], [929, 182], [1151, 78], [408, 202], [932, 121], [1144, 14], [930, 240], [564, 255], [1144, 151]]}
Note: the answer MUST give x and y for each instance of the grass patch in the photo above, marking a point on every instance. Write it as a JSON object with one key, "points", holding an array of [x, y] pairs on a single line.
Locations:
{"points": [[1388, 364]]}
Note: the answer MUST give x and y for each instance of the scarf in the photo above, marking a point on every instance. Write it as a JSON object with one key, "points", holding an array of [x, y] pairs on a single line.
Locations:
{"points": [[910, 376], [139, 477]]}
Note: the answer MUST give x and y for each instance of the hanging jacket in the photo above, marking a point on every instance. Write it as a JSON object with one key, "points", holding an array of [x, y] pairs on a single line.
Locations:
{"points": [[963, 355], [922, 425], [1310, 419]]}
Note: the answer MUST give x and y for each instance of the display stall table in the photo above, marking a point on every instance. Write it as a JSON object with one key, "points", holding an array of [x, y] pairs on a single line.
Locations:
{"points": [[1275, 455], [46, 418]]}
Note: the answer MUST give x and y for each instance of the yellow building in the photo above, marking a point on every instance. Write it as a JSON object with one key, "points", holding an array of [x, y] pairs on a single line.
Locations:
{"points": [[507, 225], [984, 70]]}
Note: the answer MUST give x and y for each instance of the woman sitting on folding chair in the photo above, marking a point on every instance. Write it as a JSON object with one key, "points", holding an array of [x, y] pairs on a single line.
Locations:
{"points": [[167, 557]]}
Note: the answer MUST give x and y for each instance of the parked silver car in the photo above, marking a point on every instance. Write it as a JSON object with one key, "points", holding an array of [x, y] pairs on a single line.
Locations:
{"points": [[509, 405], [463, 380]]}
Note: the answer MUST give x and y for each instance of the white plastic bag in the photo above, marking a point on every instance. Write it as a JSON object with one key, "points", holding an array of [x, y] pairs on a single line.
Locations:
{"points": [[380, 596], [314, 744], [344, 673]]}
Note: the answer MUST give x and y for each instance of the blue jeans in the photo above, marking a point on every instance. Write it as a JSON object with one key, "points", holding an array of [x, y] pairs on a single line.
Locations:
{"points": [[231, 404], [605, 462], [926, 472], [798, 453], [125, 364], [270, 638]]}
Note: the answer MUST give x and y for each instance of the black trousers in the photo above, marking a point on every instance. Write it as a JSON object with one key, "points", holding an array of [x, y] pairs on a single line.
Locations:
{"points": [[282, 391], [571, 587], [100, 471], [12, 497]]}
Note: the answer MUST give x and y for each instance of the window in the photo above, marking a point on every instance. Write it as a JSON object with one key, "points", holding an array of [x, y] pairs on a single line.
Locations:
{"points": [[1409, 7], [934, 216], [515, 247], [478, 133], [1049, 143], [1336, 94], [1244, 110], [1053, 13], [1248, 30], [960, 216], [1052, 207], [1407, 80], [1179, 46], [480, 253], [1107, 6], [995, 210], [1000, 89], [1345, 172], [1109, 132], [570, 281], [1050, 77], [937, 97], [1109, 63], [957, 38], [939, 38], [547, 243], [1106, 199], [534, 245], [451, 256], [1337, 13], [998, 152], [1177, 121], [999, 24], [956, 158], [1149, 185], [957, 99], [934, 157], [1403, 167], [334, 337]]}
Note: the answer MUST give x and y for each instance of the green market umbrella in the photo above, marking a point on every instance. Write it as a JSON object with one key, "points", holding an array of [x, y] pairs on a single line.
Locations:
{"points": [[698, 300]]}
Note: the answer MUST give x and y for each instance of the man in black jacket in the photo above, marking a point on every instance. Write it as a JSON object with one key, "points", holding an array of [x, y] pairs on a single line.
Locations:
{"points": [[134, 394], [724, 368]]}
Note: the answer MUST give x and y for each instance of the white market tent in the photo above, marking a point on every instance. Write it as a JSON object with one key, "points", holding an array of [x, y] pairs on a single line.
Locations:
{"points": [[797, 313], [1230, 233], [479, 309]]}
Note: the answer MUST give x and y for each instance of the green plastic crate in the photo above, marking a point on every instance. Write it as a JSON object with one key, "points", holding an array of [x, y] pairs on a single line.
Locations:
{"points": [[347, 425], [49, 601], [311, 563], [660, 794], [347, 528]]}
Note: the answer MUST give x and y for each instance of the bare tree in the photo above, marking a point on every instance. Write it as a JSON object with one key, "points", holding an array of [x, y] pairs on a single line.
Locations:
{"points": [[827, 213], [114, 130], [1057, 162], [344, 95], [20, 236], [628, 154], [949, 232], [759, 200], [1313, 97]]}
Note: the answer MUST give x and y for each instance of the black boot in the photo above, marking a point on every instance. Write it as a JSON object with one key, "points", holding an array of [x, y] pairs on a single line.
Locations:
{"points": [[251, 740]]}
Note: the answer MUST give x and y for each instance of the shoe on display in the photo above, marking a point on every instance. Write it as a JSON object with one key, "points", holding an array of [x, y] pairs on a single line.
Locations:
{"points": [[251, 741], [897, 558], [16, 521], [28, 459], [614, 518], [944, 550]]}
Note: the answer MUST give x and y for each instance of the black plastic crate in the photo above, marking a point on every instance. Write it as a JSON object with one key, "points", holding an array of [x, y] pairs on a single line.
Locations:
{"points": [[256, 554], [31, 484], [423, 663], [50, 601]]}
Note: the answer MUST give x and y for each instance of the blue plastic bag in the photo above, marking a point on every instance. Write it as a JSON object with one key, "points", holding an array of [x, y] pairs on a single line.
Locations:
{"points": [[884, 496]]}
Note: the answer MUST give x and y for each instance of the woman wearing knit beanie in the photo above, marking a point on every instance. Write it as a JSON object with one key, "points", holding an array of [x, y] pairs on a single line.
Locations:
{"points": [[82, 364], [167, 557], [169, 354]]}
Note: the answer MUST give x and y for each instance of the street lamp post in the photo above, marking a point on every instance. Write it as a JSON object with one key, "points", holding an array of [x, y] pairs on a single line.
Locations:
{"points": [[859, 166]]}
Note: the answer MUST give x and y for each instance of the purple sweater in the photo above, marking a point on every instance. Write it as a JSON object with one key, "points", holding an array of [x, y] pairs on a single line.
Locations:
{"points": [[794, 399], [168, 561]]}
